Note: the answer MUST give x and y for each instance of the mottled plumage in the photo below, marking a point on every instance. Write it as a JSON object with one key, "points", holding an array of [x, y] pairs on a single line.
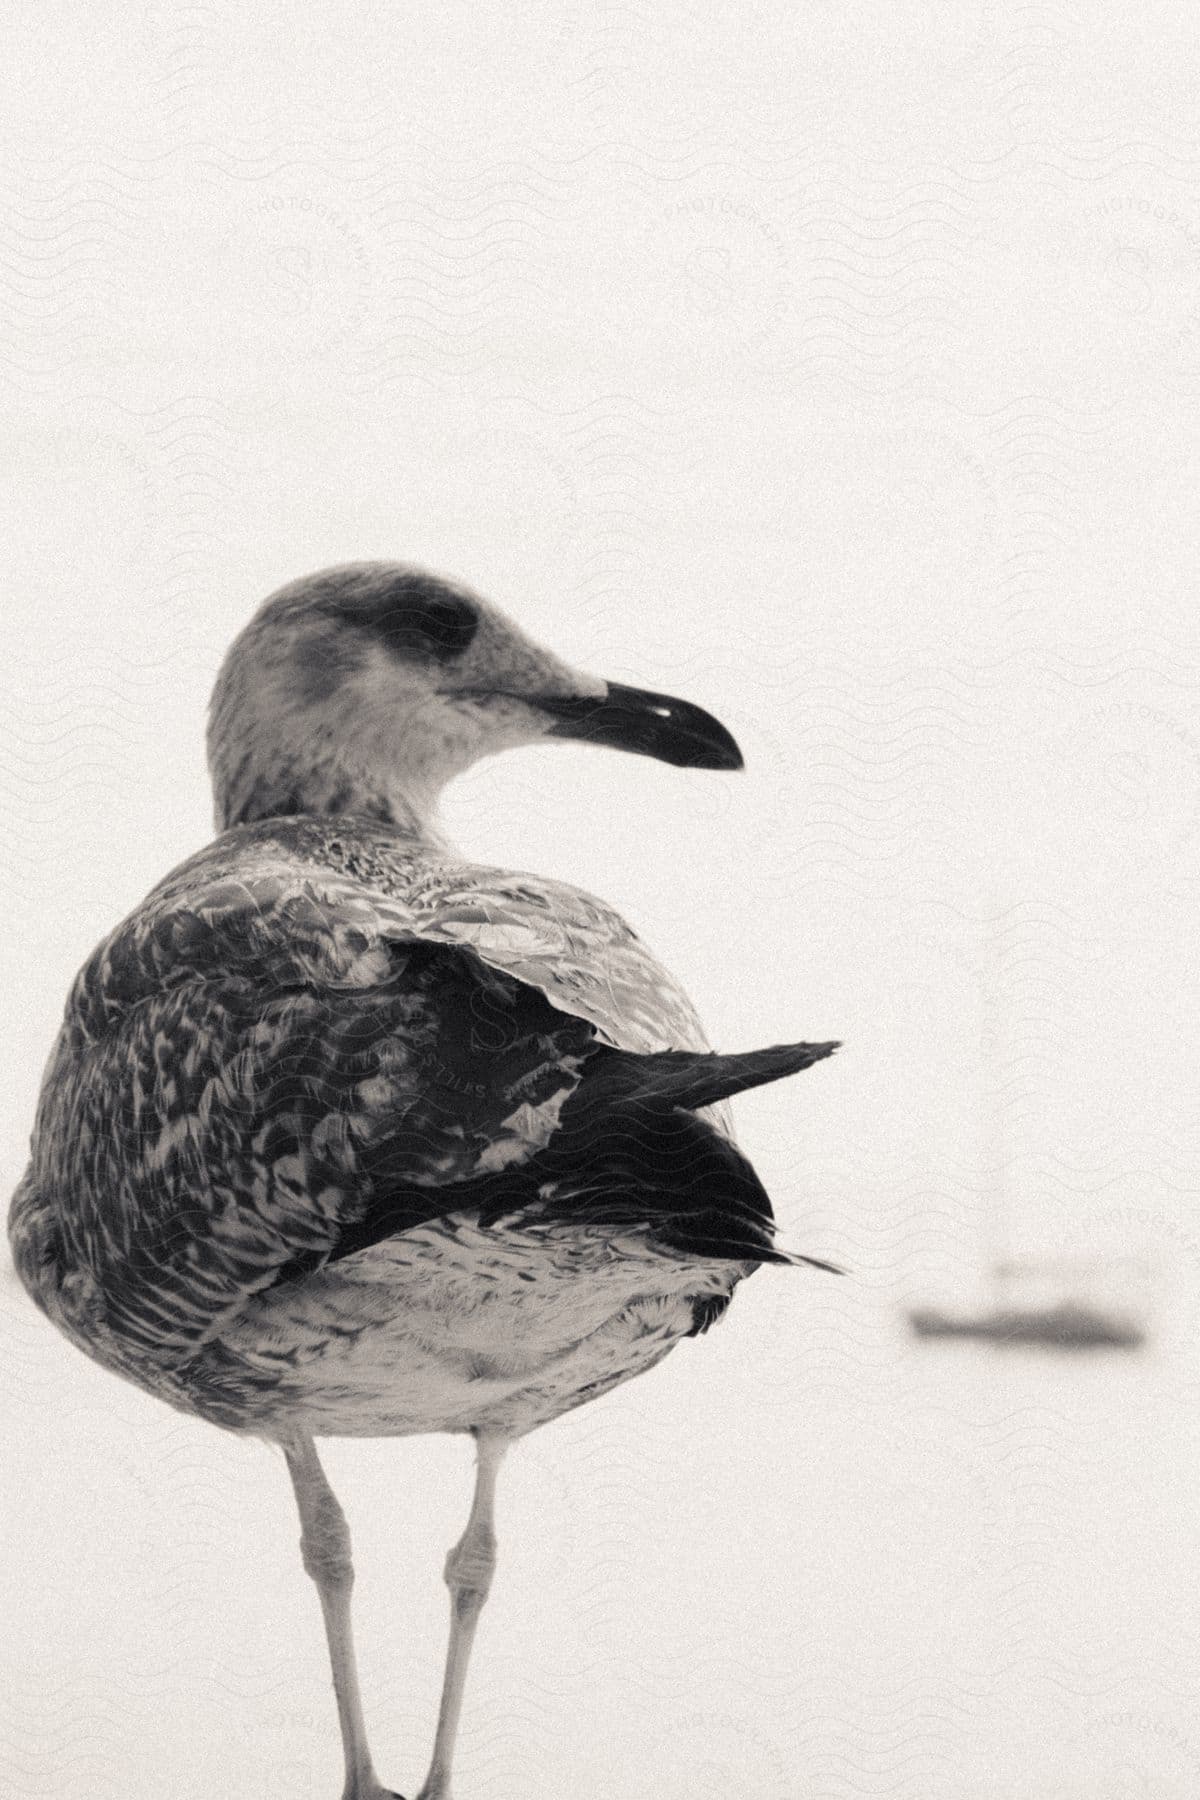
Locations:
{"points": [[343, 1134], [317, 1023]]}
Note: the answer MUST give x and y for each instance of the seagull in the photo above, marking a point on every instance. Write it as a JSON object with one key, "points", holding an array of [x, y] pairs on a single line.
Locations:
{"points": [[345, 1135]]}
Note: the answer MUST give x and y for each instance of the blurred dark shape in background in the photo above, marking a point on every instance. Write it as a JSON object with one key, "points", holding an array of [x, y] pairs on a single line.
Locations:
{"points": [[1054, 1303]]}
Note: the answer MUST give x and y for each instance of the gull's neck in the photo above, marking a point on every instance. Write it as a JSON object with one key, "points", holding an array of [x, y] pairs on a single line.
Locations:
{"points": [[326, 789]]}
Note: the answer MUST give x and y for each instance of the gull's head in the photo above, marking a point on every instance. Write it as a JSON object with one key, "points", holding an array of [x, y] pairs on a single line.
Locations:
{"points": [[367, 688]]}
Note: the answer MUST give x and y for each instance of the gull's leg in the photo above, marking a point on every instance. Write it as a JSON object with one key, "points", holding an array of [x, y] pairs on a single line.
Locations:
{"points": [[469, 1568], [325, 1548]]}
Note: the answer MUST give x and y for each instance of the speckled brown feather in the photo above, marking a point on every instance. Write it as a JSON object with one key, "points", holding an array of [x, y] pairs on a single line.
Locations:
{"points": [[245, 1053]]}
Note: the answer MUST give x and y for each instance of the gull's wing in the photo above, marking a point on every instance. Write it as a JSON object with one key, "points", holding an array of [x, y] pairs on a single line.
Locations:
{"points": [[258, 1075]]}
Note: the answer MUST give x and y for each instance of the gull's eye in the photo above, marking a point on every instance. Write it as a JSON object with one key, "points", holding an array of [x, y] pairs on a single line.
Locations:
{"points": [[416, 616]]}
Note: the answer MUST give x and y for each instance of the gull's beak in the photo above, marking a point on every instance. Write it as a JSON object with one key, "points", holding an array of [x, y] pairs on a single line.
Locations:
{"points": [[629, 718]]}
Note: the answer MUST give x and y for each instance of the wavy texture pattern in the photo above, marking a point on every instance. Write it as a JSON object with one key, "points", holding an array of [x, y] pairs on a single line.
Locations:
{"points": [[835, 368]]}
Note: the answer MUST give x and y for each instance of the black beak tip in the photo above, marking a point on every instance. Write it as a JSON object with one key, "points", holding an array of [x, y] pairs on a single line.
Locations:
{"points": [[727, 756], [718, 753]]}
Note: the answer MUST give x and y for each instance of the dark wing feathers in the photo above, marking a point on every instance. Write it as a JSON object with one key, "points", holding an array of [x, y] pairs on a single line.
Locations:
{"points": [[654, 1170], [626, 1154], [688, 1078]]}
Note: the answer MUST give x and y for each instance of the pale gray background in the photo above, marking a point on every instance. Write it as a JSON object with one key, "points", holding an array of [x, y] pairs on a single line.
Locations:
{"points": [[836, 367]]}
